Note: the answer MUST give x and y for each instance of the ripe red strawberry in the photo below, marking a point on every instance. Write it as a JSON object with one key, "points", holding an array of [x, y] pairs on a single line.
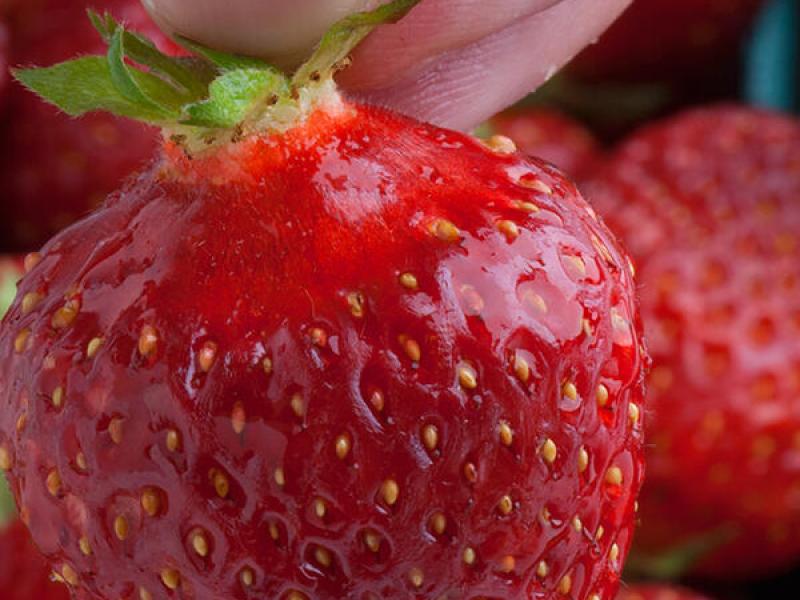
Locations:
{"points": [[549, 135], [707, 204], [669, 39], [54, 169], [24, 575], [330, 353], [657, 591]]}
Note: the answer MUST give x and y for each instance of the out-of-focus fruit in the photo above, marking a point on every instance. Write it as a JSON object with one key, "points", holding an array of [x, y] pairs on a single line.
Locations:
{"points": [[551, 136], [55, 169], [660, 40], [708, 205]]}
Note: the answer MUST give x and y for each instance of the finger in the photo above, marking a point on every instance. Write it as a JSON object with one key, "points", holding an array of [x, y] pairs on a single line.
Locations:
{"points": [[464, 86], [279, 30], [433, 28]]}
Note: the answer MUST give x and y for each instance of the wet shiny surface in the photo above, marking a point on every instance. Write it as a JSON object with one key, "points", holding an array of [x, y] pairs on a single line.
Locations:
{"points": [[707, 204], [325, 361]]}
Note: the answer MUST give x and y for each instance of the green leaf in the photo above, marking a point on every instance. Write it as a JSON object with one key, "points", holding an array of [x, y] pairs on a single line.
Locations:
{"points": [[233, 94], [190, 77], [7, 508], [141, 88], [83, 85], [345, 35], [223, 60]]}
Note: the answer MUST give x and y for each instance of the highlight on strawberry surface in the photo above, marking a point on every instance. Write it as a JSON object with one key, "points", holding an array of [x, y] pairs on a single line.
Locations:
{"points": [[262, 338]]}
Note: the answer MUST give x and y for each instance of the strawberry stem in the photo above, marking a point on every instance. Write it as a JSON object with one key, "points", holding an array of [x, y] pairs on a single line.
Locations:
{"points": [[207, 94]]}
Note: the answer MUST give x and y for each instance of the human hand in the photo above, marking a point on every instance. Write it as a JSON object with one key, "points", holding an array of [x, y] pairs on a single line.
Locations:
{"points": [[450, 62]]}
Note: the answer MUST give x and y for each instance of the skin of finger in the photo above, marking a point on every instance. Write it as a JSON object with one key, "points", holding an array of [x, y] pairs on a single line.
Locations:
{"points": [[432, 28], [281, 30], [461, 88]]}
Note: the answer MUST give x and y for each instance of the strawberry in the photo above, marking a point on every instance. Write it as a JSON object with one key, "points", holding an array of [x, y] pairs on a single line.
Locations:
{"points": [[657, 591], [24, 575], [54, 169], [551, 136], [3, 62], [657, 40], [10, 272], [707, 204], [321, 350]]}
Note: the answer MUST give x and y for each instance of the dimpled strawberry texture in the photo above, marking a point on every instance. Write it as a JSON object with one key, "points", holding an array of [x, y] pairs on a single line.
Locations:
{"points": [[359, 360], [55, 169], [669, 39], [707, 205], [24, 574], [655, 591], [551, 136]]}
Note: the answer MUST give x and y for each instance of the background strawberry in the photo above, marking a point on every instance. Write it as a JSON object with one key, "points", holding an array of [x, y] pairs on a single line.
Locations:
{"points": [[657, 591], [24, 575], [54, 169], [550, 135], [358, 358], [658, 40], [707, 204]]}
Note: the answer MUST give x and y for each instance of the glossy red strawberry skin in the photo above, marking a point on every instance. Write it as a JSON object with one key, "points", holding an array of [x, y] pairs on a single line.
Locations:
{"points": [[549, 135], [707, 205], [657, 591], [55, 169], [656, 40], [425, 304], [24, 574]]}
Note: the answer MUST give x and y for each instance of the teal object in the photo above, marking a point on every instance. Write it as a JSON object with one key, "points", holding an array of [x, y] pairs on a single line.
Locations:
{"points": [[772, 72]]}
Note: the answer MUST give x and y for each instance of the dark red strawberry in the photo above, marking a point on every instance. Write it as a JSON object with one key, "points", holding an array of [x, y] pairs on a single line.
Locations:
{"points": [[656, 40], [54, 169], [658, 591], [24, 575], [708, 205], [549, 135], [329, 353], [3, 62], [10, 272]]}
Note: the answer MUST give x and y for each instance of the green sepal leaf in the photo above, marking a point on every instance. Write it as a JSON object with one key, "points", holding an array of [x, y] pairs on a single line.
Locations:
{"points": [[233, 94], [7, 509], [188, 75], [223, 60], [141, 88], [346, 34], [84, 85]]}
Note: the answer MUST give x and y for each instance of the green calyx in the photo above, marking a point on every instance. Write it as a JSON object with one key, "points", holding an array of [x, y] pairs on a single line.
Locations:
{"points": [[201, 95]]}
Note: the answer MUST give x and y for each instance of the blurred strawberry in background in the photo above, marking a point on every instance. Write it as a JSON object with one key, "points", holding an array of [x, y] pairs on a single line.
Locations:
{"points": [[669, 39], [658, 591], [54, 169], [550, 135], [707, 204]]}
